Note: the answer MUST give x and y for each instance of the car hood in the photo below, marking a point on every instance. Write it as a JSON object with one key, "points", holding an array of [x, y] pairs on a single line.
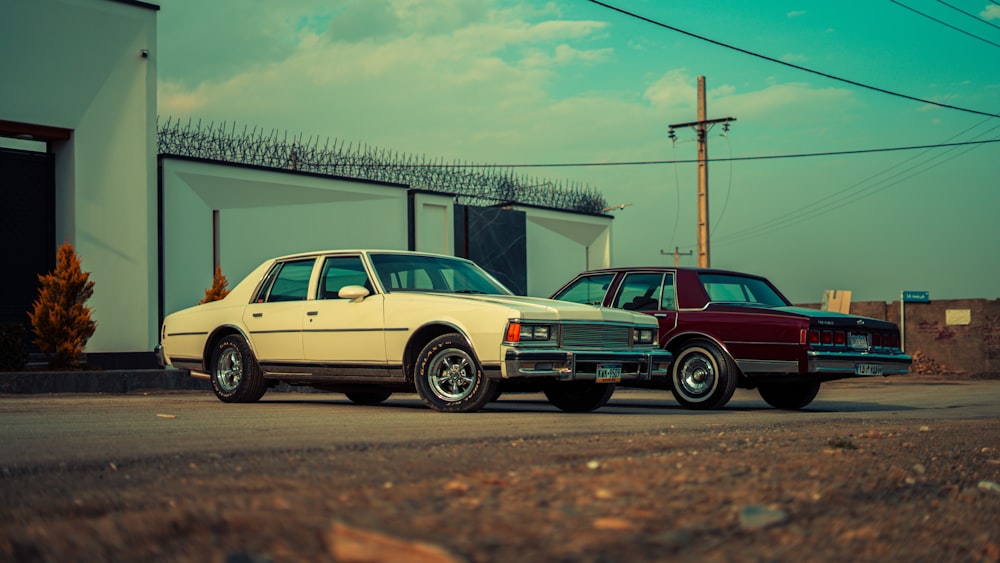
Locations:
{"points": [[539, 308]]}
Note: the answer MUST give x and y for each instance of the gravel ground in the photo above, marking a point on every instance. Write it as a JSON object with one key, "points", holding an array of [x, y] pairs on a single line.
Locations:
{"points": [[851, 491]]}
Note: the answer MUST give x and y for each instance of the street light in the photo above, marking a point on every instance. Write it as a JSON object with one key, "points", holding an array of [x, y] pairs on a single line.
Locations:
{"points": [[614, 207]]}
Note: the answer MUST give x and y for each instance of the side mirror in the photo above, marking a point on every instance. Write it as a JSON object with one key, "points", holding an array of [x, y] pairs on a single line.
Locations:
{"points": [[355, 293]]}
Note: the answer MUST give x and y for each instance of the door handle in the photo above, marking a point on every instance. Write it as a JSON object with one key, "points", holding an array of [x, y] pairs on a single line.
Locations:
{"points": [[312, 313], [258, 315]]}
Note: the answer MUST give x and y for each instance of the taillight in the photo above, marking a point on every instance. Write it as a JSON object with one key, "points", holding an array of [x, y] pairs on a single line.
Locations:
{"points": [[839, 338], [813, 337], [893, 341], [877, 340]]}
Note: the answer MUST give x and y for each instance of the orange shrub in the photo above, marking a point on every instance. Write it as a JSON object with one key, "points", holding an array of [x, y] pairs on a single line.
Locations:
{"points": [[60, 320], [219, 287]]}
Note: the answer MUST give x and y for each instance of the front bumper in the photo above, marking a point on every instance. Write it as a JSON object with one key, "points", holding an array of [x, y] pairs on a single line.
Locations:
{"points": [[849, 363], [573, 365]]}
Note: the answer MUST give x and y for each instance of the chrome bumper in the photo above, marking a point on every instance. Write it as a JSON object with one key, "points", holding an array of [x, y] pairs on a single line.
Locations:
{"points": [[571, 365], [822, 362]]}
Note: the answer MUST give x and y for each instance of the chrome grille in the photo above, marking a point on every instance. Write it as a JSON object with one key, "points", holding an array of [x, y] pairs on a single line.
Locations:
{"points": [[600, 336]]}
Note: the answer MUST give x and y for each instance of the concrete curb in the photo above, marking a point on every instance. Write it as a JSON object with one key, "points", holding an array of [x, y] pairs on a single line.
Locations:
{"points": [[105, 381]]}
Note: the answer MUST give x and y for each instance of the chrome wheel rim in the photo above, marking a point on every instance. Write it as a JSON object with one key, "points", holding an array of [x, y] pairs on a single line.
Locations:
{"points": [[697, 375], [229, 369], [452, 375]]}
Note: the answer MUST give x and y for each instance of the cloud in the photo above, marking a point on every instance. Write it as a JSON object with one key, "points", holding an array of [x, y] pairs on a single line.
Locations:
{"points": [[796, 13], [676, 88], [412, 75]]}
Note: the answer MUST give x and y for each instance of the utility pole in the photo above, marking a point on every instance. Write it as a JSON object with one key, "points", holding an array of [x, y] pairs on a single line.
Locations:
{"points": [[701, 127], [677, 255]]}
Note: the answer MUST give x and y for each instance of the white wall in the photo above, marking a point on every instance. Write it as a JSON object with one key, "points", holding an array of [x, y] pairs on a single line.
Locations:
{"points": [[561, 245], [77, 65], [434, 218], [263, 214]]}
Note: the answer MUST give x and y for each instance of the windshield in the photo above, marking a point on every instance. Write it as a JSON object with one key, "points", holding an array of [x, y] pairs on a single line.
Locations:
{"points": [[726, 288], [409, 272]]}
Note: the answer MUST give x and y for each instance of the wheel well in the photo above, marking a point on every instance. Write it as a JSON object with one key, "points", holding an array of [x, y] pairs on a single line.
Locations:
{"points": [[675, 345], [418, 340], [217, 335]]}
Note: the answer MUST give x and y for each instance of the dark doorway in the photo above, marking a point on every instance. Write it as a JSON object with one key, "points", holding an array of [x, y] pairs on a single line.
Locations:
{"points": [[27, 228], [495, 238]]}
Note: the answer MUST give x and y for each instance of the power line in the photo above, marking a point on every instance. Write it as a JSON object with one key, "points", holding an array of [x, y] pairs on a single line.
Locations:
{"points": [[818, 207], [765, 229], [792, 65], [728, 159], [948, 25], [973, 16]]}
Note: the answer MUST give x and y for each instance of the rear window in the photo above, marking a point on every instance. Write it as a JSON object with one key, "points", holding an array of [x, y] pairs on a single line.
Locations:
{"points": [[728, 288]]}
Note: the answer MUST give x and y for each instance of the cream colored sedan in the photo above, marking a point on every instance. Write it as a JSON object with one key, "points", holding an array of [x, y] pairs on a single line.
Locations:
{"points": [[370, 323]]}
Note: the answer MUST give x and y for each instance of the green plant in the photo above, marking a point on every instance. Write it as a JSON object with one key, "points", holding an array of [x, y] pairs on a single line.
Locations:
{"points": [[59, 318], [219, 287], [12, 354]]}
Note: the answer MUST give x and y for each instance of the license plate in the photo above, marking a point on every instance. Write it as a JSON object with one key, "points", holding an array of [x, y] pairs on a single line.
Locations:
{"points": [[859, 341], [868, 369], [609, 373]]}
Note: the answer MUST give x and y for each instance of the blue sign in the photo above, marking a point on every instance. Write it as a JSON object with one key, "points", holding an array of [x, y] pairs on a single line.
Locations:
{"points": [[916, 297]]}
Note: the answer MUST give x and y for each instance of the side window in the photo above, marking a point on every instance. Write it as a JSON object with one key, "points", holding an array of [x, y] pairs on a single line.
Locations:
{"points": [[340, 271], [588, 290], [668, 301], [640, 292], [288, 281]]}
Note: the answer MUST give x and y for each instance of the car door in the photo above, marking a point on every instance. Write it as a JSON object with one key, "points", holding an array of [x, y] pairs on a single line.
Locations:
{"points": [[651, 293], [274, 318], [345, 337]]}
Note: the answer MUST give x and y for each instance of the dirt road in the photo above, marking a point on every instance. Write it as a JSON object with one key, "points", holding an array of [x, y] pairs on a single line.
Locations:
{"points": [[885, 486]]}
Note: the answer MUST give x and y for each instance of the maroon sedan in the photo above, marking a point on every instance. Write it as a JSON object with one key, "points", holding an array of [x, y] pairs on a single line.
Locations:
{"points": [[729, 329]]}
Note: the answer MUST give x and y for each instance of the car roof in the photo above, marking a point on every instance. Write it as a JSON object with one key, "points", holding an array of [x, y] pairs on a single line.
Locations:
{"points": [[670, 269], [362, 251]]}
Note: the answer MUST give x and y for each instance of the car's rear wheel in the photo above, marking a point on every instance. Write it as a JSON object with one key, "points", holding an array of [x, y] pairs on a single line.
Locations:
{"points": [[788, 396], [703, 376], [448, 377], [368, 397], [579, 396], [235, 375]]}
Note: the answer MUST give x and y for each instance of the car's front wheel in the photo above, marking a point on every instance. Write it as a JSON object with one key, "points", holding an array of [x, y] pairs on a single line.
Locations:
{"points": [[788, 396], [448, 377], [579, 396], [703, 376], [236, 377]]}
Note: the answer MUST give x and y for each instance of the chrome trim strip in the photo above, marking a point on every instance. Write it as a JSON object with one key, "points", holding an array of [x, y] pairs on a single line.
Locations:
{"points": [[768, 366]]}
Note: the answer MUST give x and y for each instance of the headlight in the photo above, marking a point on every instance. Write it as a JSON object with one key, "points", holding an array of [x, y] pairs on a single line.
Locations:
{"points": [[644, 336], [523, 332]]}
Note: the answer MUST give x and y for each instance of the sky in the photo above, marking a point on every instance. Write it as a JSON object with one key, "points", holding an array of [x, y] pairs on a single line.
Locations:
{"points": [[577, 82]]}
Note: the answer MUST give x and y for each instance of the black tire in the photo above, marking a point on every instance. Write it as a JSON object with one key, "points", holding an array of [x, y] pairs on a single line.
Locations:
{"points": [[579, 396], [788, 396], [448, 377], [235, 375], [702, 376], [368, 397]]}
